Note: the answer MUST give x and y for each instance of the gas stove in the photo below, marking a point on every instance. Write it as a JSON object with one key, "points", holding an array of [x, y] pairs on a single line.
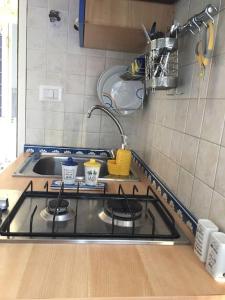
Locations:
{"points": [[83, 217]]}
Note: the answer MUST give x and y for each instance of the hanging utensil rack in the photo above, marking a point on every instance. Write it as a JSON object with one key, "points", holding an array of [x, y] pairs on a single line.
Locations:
{"points": [[161, 62]]}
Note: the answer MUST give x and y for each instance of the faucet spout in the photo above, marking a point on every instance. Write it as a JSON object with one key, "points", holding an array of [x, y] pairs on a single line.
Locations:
{"points": [[111, 115]]}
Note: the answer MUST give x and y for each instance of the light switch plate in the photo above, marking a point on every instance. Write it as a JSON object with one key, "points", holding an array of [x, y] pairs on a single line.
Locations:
{"points": [[50, 93]]}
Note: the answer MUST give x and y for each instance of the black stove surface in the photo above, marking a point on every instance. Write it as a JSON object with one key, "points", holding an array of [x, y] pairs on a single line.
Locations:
{"points": [[77, 217]]}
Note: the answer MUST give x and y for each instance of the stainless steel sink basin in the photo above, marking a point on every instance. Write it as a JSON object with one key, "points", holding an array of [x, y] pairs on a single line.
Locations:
{"points": [[50, 165]]}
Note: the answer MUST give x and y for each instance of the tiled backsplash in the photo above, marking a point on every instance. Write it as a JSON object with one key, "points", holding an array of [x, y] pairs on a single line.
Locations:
{"points": [[55, 58], [183, 133]]}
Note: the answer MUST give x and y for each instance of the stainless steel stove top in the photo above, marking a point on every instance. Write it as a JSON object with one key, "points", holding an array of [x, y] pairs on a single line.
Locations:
{"points": [[83, 217]]}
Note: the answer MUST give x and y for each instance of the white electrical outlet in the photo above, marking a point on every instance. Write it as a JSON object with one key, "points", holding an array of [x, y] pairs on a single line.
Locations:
{"points": [[50, 93]]}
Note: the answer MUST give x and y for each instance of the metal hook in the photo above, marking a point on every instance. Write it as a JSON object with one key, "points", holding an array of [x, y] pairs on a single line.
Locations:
{"points": [[191, 31], [210, 17], [204, 23], [196, 25]]}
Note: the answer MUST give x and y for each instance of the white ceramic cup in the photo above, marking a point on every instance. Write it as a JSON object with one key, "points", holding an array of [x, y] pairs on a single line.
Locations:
{"points": [[91, 175], [69, 171]]}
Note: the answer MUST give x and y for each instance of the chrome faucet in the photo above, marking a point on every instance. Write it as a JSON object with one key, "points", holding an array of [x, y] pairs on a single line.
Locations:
{"points": [[111, 115]]}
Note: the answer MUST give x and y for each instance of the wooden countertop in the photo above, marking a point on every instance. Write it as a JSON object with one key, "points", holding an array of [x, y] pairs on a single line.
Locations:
{"points": [[75, 271]]}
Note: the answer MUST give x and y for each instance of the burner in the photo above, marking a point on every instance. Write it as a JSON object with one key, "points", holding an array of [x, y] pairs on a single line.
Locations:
{"points": [[63, 211], [124, 212]]}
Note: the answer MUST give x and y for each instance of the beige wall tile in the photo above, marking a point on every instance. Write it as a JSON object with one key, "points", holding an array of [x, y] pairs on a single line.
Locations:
{"points": [[53, 137], [36, 59], [35, 119], [166, 140], [73, 121], [216, 82], [207, 162], [185, 184], [72, 138], [181, 114], [75, 84], [213, 121], [219, 46], [160, 111], [157, 138], [171, 171], [54, 120], [75, 64], [90, 85], [55, 62], [95, 65], [35, 136], [92, 124], [154, 160], [189, 153], [37, 18], [74, 103], [201, 199], [176, 146], [223, 138], [59, 4], [185, 74], [195, 116], [110, 140], [169, 117], [199, 86], [181, 10], [220, 174], [217, 211], [90, 140]]}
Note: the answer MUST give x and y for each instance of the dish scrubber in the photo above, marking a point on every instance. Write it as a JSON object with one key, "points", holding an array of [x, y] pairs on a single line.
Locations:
{"points": [[120, 165]]}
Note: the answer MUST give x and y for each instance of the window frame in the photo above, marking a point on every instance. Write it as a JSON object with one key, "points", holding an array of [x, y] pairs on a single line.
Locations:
{"points": [[21, 75]]}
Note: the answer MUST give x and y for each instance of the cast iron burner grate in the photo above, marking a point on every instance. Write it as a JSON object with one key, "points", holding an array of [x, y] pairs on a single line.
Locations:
{"points": [[80, 215]]}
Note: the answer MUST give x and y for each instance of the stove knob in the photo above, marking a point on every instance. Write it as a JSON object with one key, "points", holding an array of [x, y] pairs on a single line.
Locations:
{"points": [[4, 203]]}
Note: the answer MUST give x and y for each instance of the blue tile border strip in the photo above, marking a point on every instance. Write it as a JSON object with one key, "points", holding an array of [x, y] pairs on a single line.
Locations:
{"points": [[66, 150], [171, 199], [185, 215]]}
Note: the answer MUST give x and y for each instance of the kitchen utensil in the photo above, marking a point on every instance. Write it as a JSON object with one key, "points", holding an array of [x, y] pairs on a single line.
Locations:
{"points": [[152, 31], [215, 263], [92, 170], [154, 34], [136, 70], [122, 97], [203, 55], [69, 171], [102, 93], [148, 40], [204, 229], [127, 94]]}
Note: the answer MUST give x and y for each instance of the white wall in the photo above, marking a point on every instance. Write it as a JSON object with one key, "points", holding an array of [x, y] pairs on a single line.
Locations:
{"points": [[55, 58]]}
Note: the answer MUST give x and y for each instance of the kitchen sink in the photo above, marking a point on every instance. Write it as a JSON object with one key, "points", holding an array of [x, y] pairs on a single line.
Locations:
{"points": [[50, 165]]}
